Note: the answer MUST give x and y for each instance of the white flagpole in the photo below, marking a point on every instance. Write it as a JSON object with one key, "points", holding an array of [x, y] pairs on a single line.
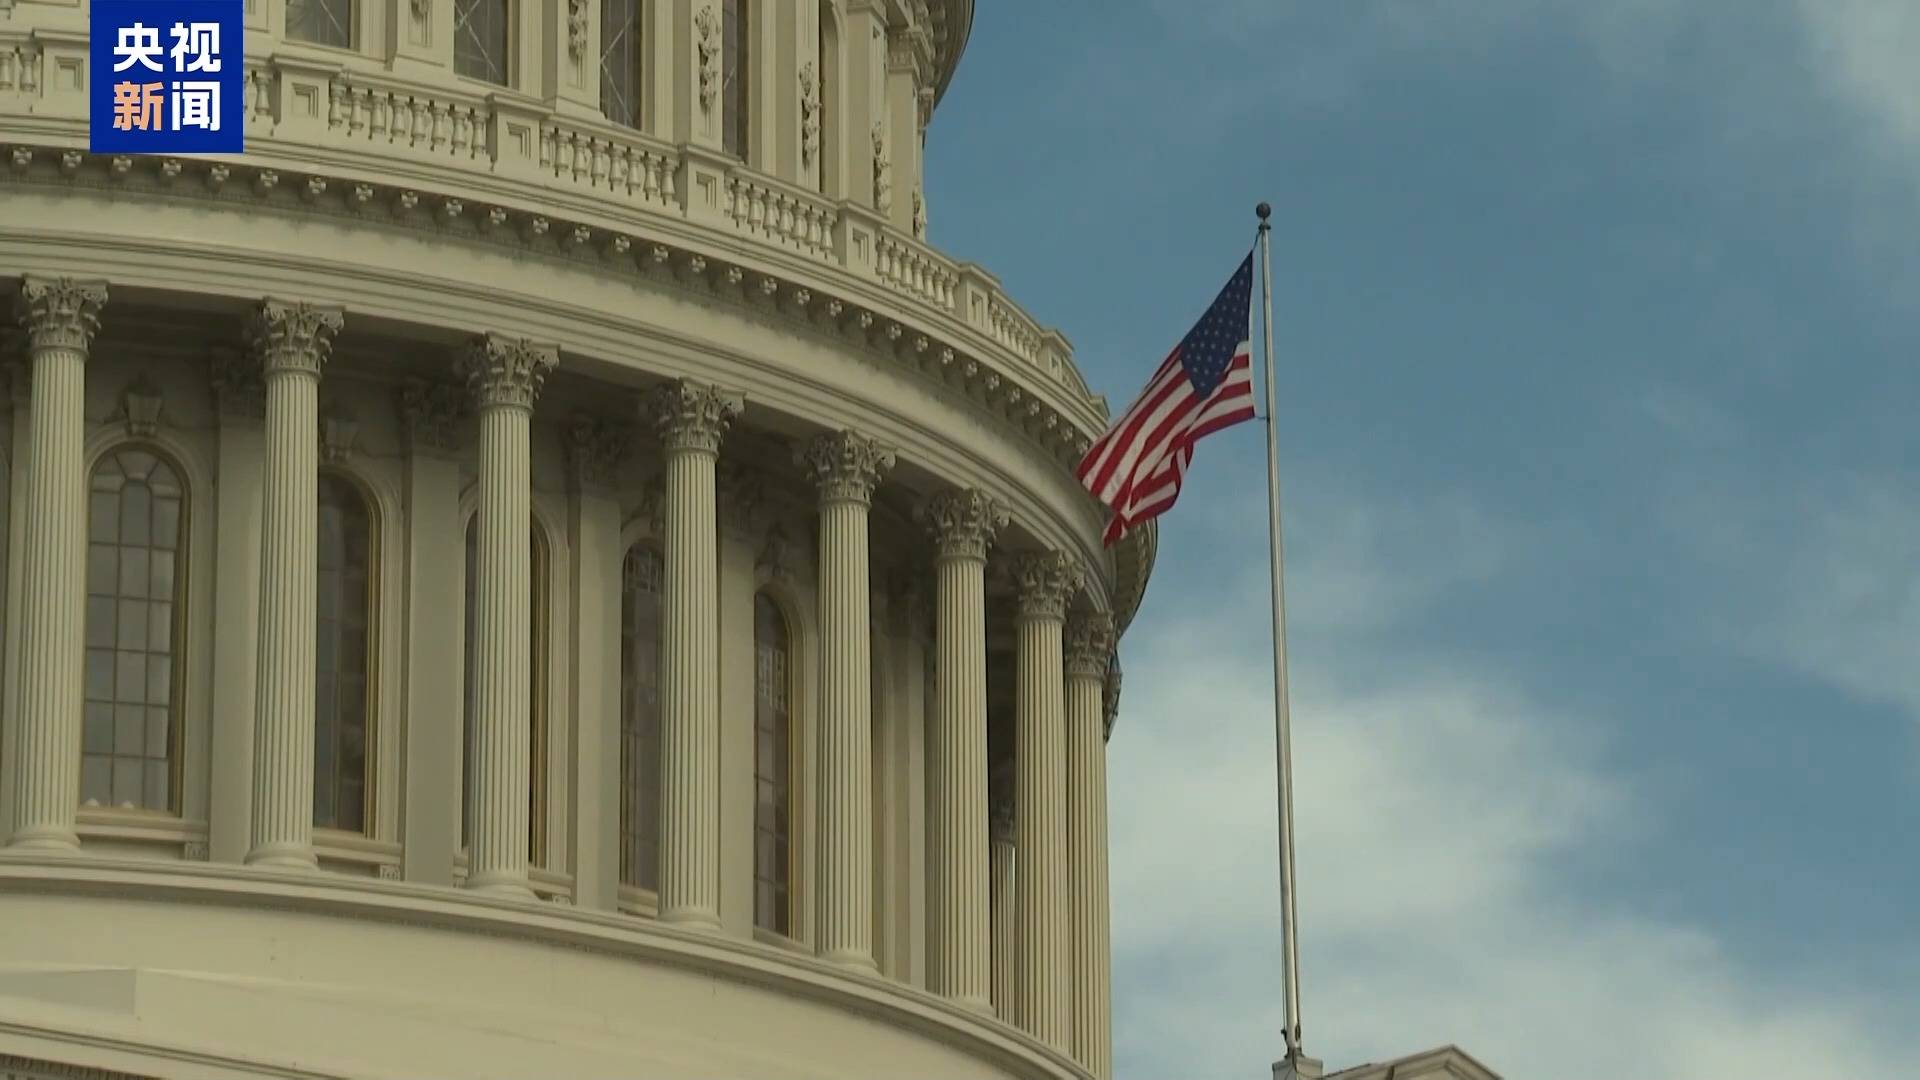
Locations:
{"points": [[1283, 751]]}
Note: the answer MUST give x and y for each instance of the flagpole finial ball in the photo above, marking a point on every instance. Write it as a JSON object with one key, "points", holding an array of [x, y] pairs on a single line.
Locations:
{"points": [[1264, 210]]}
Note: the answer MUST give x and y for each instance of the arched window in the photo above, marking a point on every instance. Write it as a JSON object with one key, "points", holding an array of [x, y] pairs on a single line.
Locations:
{"points": [[343, 656], [481, 37], [620, 61], [136, 588], [772, 768], [537, 684], [735, 59], [641, 576], [322, 22]]}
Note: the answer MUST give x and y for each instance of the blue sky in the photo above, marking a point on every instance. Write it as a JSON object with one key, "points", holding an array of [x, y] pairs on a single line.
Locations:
{"points": [[1600, 345]]}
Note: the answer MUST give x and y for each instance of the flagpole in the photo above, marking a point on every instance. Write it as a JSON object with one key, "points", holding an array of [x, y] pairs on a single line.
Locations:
{"points": [[1282, 724]]}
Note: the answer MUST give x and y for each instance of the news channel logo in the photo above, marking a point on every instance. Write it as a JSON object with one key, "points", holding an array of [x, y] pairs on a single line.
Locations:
{"points": [[167, 77]]}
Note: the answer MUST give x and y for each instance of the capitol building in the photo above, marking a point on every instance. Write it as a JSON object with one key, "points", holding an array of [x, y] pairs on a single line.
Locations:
{"points": [[539, 569]]}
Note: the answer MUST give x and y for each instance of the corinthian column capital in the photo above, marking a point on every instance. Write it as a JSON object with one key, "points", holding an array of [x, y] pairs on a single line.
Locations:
{"points": [[1089, 645], [691, 416], [294, 336], [60, 313], [1046, 580], [845, 466], [963, 523], [507, 372]]}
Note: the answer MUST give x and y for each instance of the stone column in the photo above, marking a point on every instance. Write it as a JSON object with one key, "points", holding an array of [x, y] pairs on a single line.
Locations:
{"points": [[292, 341], [1089, 646], [60, 316], [1040, 780], [691, 420], [505, 375], [959, 957], [845, 468], [1006, 912]]}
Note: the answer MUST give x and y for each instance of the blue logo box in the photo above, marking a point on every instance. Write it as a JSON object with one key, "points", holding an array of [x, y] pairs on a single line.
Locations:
{"points": [[166, 77]]}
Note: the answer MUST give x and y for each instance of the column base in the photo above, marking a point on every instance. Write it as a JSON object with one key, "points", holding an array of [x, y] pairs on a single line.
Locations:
{"points": [[692, 920], [502, 886], [860, 963], [45, 838], [292, 857]]}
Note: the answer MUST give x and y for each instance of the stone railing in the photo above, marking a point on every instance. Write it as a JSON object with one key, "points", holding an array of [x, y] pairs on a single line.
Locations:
{"points": [[436, 126], [19, 69], [917, 270], [801, 220], [630, 166]]}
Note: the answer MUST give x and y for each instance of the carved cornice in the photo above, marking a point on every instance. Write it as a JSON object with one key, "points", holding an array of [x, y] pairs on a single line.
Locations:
{"points": [[1046, 581], [596, 449], [507, 372], [430, 415], [1088, 643], [60, 313], [689, 415], [293, 336], [845, 466], [963, 523]]}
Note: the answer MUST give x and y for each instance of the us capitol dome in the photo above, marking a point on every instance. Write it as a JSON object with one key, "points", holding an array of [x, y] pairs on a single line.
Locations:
{"points": [[539, 568]]}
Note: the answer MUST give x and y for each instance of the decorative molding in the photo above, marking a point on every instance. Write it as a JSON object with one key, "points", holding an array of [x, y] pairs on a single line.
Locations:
{"points": [[194, 851], [1088, 644], [239, 387], [707, 43], [809, 114], [60, 313], [689, 415], [507, 372], [963, 523], [430, 415], [389, 872], [596, 449], [1046, 580], [882, 169], [741, 498], [422, 9], [919, 213], [779, 554], [577, 29], [294, 336], [339, 432], [140, 408], [845, 466]]}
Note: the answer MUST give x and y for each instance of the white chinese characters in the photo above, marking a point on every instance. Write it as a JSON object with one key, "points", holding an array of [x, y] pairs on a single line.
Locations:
{"points": [[196, 47], [137, 44]]}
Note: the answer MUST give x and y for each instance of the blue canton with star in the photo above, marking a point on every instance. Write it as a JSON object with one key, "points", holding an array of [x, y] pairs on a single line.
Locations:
{"points": [[1207, 350]]}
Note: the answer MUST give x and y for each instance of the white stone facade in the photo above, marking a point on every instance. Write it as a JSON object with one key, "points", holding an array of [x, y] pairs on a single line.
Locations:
{"points": [[538, 569]]}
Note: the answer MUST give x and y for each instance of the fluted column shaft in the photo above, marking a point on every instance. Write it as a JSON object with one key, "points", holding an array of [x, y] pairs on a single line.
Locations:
{"points": [[1040, 827], [691, 419], [292, 341], [60, 317], [959, 914], [1006, 917], [1089, 644], [506, 376], [845, 468]]}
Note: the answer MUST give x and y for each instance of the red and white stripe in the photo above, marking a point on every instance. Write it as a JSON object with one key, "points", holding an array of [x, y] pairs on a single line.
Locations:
{"points": [[1136, 468]]}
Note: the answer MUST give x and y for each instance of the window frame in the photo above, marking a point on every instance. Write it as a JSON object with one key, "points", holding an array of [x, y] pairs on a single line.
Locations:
{"points": [[371, 780], [638, 71], [736, 67], [353, 29], [178, 629], [509, 16]]}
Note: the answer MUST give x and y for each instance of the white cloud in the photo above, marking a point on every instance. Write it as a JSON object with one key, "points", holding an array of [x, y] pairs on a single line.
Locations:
{"points": [[1438, 807]]}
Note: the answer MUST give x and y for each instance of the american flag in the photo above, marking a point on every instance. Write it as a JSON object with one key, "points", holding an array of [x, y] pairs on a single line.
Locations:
{"points": [[1205, 385]]}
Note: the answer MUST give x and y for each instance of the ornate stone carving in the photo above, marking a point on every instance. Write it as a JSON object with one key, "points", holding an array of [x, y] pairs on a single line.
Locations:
{"points": [[740, 497], [1112, 702], [430, 414], [194, 851], [652, 508], [707, 42], [845, 466], [1089, 644], [691, 416], [1046, 580], [293, 335], [963, 523], [596, 449], [809, 113], [389, 872], [882, 170], [576, 29], [239, 390], [140, 408], [422, 8], [60, 313], [339, 434], [507, 372], [919, 214], [779, 554]]}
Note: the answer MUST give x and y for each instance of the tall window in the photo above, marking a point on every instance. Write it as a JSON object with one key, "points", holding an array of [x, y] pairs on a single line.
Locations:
{"points": [[342, 692], [537, 709], [772, 768], [480, 39], [620, 61], [322, 22], [829, 85], [640, 642], [735, 56], [135, 588]]}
